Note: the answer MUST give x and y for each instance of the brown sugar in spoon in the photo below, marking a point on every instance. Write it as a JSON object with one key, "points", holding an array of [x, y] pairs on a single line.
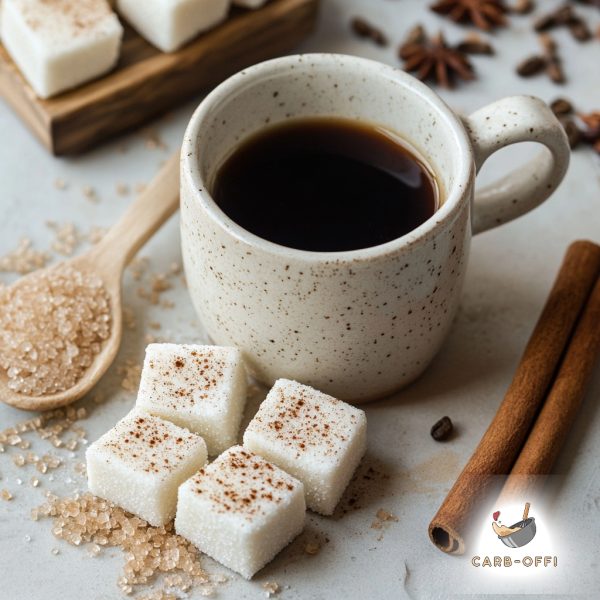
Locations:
{"points": [[107, 260]]}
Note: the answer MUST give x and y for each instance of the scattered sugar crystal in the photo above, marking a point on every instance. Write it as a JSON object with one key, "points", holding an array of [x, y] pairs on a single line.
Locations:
{"points": [[55, 551], [241, 510], [140, 463], [52, 324], [271, 588], [318, 439], [202, 388], [312, 548], [168, 24], [27, 538], [148, 550], [60, 44], [23, 259]]}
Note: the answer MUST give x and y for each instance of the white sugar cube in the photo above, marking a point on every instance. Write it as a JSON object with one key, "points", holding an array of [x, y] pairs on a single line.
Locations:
{"points": [[169, 24], [241, 510], [249, 3], [315, 437], [140, 463], [60, 44], [202, 388]]}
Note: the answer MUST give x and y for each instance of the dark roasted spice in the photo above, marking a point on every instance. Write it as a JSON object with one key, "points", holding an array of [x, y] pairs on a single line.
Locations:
{"points": [[474, 44], [591, 133], [561, 106], [549, 62], [433, 58], [442, 430], [531, 66], [564, 16], [363, 29], [485, 14], [573, 132]]}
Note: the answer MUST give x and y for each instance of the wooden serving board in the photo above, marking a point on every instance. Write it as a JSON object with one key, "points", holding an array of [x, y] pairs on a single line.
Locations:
{"points": [[147, 82]]}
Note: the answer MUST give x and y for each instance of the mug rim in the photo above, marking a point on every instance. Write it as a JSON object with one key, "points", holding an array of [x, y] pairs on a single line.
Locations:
{"points": [[426, 230]]}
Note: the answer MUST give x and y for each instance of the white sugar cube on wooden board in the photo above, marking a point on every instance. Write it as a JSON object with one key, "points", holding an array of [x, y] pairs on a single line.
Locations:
{"points": [[140, 463], [316, 438], [202, 388], [60, 44], [169, 24], [241, 510]]}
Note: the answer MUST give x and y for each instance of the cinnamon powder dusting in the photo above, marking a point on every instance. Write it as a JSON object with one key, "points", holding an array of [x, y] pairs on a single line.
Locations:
{"points": [[241, 482]]}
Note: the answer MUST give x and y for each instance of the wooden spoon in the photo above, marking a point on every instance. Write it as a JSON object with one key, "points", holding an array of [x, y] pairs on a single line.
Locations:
{"points": [[108, 259]]}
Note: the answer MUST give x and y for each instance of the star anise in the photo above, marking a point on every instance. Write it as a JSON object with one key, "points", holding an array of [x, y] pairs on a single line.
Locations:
{"points": [[485, 14], [433, 58]]}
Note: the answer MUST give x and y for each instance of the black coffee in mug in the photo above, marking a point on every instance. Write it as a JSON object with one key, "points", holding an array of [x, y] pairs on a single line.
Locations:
{"points": [[326, 184]]}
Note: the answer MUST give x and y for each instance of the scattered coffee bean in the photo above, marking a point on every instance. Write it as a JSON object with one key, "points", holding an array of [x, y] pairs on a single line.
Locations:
{"points": [[573, 132], [561, 106], [442, 429], [565, 16], [363, 29], [579, 30], [560, 16], [531, 66], [550, 62], [474, 44], [555, 70]]}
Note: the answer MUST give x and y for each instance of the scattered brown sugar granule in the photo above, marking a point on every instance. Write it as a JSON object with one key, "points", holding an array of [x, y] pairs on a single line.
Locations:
{"points": [[383, 519], [149, 551], [23, 259], [271, 588], [312, 548], [52, 324], [132, 373]]}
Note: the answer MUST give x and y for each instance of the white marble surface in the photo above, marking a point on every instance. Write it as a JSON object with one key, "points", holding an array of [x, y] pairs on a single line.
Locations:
{"points": [[511, 270]]}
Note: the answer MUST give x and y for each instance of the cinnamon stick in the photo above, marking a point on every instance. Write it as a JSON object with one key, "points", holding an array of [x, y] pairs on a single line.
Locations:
{"points": [[501, 443], [549, 432]]}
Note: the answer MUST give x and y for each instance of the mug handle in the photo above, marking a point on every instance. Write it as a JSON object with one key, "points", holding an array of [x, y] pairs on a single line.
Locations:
{"points": [[510, 121]]}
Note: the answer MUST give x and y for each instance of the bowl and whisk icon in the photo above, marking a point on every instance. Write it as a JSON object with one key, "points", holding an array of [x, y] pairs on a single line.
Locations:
{"points": [[517, 535]]}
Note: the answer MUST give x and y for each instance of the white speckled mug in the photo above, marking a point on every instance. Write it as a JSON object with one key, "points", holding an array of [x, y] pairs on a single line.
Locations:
{"points": [[363, 323]]}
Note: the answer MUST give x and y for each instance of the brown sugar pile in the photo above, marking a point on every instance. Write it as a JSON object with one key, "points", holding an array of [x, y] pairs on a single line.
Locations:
{"points": [[52, 324], [149, 551]]}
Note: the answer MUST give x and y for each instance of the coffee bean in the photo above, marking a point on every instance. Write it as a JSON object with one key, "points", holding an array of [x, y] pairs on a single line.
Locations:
{"points": [[442, 430], [573, 132], [531, 66], [561, 106]]}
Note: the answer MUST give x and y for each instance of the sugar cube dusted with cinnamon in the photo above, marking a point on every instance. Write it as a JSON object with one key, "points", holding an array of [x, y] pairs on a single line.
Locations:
{"points": [[318, 439], [202, 388], [241, 510], [61, 44], [140, 463], [169, 24]]}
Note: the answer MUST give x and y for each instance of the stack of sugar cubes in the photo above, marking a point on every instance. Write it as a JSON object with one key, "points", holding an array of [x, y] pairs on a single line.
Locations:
{"points": [[299, 451], [61, 44]]}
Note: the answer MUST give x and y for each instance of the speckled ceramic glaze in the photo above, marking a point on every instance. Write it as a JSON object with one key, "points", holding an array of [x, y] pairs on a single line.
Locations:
{"points": [[363, 323]]}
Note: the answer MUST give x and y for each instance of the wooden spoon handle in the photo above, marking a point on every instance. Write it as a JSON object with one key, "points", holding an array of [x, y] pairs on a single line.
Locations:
{"points": [[144, 216], [526, 511]]}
